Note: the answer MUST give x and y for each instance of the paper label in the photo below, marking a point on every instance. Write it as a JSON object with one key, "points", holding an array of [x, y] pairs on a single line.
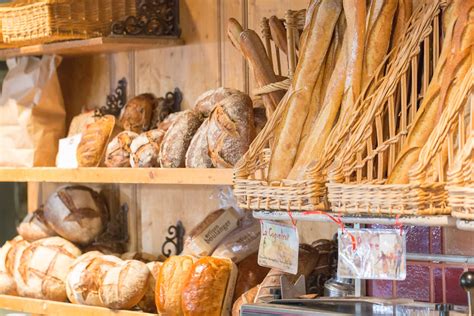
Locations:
{"points": [[66, 157], [279, 246], [378, 254]]}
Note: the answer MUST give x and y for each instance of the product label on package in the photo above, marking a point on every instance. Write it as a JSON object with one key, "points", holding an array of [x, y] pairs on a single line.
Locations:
{"points": [[66, 157], [279, 245]]}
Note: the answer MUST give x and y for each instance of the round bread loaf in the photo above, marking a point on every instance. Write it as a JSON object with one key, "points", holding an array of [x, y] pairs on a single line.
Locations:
{"points": [[11, 251], [231, 130], [136, 116], [118, 150], [147, 304], [76, 213], [91, 148], [83, 280], [41, 270], [206, 102], [34, 227], [197, 155], [7, 283], [146, 149], [124, 285], [177, 139]]}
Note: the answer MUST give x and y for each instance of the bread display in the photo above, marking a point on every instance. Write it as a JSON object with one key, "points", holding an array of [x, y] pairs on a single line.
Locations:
{"points": [[145, 149], [147, 304], [34, 226], [209, 287], [124, 285], [76, 213], [177, 139], [41, 268], [136, 115], [206, 102], [197, 155], [118, 150], [169, 286], [95, 138]]}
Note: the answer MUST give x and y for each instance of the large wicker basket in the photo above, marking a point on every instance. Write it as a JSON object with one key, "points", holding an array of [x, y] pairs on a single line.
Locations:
{"points": [[357, 179]]}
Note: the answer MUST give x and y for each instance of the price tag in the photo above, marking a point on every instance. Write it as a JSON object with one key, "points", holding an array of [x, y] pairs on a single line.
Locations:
{"points": [[279, 245], [66, 157]]}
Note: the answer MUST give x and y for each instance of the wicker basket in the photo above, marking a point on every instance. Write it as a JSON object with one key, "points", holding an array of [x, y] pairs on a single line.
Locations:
{"points": [[357, 178]]}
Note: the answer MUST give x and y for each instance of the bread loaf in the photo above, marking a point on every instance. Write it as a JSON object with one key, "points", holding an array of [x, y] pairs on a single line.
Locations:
{"points": [[250, 274], [76, 213], [278, 32], [7, 283], [177, 139], [171, 280], [136, 115], [91, 148], [145, 149], [124, 285], [41, 270], [246, 298], [118, 150], [231, 130], [206, 102], [168, 121], [147, 304], [83, 280], [80, 122], [197, 155], [34, 227], [233, 32]]}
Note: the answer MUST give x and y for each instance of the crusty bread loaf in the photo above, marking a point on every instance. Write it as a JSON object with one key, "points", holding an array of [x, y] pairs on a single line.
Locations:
{"points": [[206, 102], [34, 227], [250, 274], [147, 304], [197, 155], [231, 130], [7, 283], [118, 150], [84, 278], [168, 121], [76, 213], [177, 139], [171, 280], [41, 270], [246, 298], [91, 148], [136, 115], [124, 285], [140, 256], [233, 32], [278, 32], [12, 250], [145, 149]]}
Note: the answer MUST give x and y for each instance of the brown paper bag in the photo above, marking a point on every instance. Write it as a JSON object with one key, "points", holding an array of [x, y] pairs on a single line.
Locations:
{"points": [[32, 114]]}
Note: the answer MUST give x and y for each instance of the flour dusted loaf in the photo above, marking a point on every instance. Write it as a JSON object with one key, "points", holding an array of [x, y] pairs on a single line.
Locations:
{"points": [[76, 213], [197, 155], [146, 149], [41, 268], [34, 227], [124, 285], [231, 130], [178, 137], [136, 116], [95, 137], [206, 102], [118, 150], [7, 258], [147, 304]]}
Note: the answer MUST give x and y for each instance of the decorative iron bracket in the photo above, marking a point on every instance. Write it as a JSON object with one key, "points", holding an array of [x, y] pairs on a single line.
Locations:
{"points": [[154, 18], [115, 101], [175, 239]]}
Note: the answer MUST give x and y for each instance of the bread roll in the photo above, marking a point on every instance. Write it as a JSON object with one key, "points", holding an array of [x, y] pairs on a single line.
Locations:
{"points": [[246, 298], [177, 139], [118, 150], [124, 285], [231, 130], [171, 280], [41, 270], [76, 213], [83, 280], [206, 287], [91, 148], [197, 155], [147, 304], [140, 256], [206, 102], [145, 149], [136, 115], [250, 274], [34, 227]]}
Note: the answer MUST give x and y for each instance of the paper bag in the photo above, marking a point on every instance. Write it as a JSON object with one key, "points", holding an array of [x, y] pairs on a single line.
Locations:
{"points": [[32, 114]]}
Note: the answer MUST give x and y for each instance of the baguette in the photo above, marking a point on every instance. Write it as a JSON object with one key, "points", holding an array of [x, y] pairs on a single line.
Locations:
{"points": [[233, 32], [278, 32], [306, 74]]}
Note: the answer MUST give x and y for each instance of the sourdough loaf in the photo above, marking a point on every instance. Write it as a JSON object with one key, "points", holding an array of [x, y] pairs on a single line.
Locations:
{"points": [[206, 102], [145, 149], [76, 213], [95, 137], [34, 227], [197, 155], [118, 150], [147, 304], [136, 115]]}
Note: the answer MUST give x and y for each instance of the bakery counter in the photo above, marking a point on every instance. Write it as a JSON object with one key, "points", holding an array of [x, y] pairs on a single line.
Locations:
{"points": [[119, 175], [43, 307]]}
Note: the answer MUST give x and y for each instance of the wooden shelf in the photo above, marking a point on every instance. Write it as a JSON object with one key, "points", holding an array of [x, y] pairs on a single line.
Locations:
{"points": [[43, 307], [119, 175], [91, 46]]}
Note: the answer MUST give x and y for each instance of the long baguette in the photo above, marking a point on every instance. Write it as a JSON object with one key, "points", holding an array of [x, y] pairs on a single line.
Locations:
{"points": [[306, 74], [278, 32]]}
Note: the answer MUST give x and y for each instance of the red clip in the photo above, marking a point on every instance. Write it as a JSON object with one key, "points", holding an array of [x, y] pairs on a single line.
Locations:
{"points": [[290, 214], [398, 224]]}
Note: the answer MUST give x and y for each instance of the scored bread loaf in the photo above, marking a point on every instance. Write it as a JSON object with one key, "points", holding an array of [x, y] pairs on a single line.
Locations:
{"points": [[246, 298], [118, 150], [197, 155], [76, 213], [41, 269], [177, 139], [124, 285], [206, 102], [95, 137], [136, 115], [146, 149], [12, 250], [34, 226], [231, 130], [7, 283], [147, 304], [171, 280]]}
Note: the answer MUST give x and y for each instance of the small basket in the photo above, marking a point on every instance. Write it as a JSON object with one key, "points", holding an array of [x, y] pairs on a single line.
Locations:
{"points": [[357, 178]]}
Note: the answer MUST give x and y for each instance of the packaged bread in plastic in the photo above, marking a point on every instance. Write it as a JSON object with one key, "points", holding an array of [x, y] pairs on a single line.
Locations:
{"points": [[136, 115], [118, 150]]}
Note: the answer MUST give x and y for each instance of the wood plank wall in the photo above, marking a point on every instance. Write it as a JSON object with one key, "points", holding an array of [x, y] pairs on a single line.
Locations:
{"points": [[206, 61]]}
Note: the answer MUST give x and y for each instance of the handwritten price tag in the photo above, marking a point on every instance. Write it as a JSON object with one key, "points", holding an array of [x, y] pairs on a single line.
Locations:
{"points": [[279, 246]]}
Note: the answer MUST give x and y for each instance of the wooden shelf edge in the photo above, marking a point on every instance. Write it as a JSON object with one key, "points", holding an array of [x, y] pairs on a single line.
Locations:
{"points": [[119, 175], [44, 307]]}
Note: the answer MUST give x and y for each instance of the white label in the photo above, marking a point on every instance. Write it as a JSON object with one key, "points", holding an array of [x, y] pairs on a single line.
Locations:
{"points": [[279, 246], [66, 157]]}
